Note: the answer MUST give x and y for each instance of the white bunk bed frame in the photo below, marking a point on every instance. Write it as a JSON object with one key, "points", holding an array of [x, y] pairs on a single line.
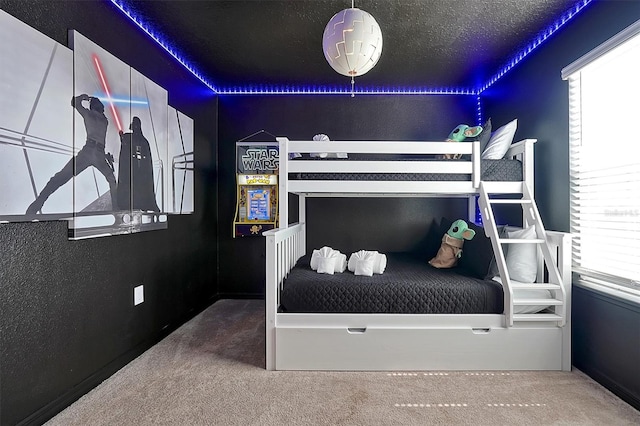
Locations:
{"points": [[328, 341]]}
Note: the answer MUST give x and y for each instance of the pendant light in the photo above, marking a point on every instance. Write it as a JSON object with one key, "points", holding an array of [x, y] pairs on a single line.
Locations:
{"points": [[352, 43]]}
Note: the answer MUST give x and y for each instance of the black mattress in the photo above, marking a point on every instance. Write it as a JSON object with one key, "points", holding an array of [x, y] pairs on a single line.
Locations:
{"points": [[409, 285], [502, 170]]}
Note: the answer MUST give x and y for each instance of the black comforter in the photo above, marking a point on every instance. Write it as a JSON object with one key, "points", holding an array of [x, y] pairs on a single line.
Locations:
{"points": [[409, 285]]}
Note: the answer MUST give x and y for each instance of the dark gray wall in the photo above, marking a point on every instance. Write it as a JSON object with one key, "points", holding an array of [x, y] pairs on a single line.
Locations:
{"points": [[606, 330], [385, 224], [67, 319], [606, 341]]}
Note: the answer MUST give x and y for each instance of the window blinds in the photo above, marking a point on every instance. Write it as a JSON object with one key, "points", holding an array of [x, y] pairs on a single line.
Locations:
{"points": [[604, 169]]}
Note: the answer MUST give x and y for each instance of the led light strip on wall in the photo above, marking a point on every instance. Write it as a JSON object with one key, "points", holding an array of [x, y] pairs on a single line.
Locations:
{"points": [[541, 38], [346, 90], [162, 43], [338, 90]]}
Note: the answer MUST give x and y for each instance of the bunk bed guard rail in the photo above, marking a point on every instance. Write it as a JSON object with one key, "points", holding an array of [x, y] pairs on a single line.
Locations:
{"points": [[401, 149]]}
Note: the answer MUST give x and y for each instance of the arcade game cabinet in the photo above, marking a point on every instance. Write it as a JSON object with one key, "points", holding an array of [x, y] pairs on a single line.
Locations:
{"points": [[257, 188]]}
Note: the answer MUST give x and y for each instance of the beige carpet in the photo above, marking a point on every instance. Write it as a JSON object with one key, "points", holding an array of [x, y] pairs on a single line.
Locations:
{"points": [[211, 372]]}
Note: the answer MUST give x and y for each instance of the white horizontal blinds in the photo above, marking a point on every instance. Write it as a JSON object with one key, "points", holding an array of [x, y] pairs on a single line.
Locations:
{"points": [[604, 130]]}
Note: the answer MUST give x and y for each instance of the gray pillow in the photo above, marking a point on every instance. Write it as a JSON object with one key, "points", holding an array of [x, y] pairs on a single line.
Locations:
{"points": [[485, 135]]}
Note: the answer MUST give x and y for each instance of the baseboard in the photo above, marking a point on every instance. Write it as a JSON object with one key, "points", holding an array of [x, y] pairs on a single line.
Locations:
{"points": [[63, 401], [620, 391]]}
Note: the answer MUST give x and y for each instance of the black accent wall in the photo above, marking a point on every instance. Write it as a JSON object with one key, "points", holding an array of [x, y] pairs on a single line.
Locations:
{"points": [[384, 224], [67, 319], [606, 329]]}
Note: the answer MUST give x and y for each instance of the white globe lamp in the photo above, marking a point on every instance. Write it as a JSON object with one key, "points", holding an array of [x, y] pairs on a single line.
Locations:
{"points": [[352, 42]]}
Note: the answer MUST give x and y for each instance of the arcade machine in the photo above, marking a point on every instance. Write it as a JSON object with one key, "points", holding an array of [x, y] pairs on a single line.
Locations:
{"points": [[257, 188]]}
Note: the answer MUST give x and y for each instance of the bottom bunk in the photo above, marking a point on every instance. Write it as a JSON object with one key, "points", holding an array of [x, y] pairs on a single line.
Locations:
{"points": [[394, 321], [409, 285]]}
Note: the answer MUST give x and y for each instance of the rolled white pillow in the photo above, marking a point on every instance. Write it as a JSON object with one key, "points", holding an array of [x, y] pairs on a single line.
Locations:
{"points": [[317, 254], [379, 261], [327, 265], [340, 263], [351, 265], [364, 266], [362, 263], [320, 260], [320, 138]]}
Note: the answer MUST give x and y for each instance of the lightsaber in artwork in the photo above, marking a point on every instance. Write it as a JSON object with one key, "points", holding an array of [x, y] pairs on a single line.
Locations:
{"points": [[125, 101], [105, 87]]}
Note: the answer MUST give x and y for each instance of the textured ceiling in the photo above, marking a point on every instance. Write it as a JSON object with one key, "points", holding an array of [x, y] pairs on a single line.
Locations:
{"points": [[427, 43]]}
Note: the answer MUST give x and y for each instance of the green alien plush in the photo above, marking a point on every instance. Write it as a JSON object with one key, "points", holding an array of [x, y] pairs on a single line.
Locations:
{"points": [[460, 133], [460, 230], [451, 246]]}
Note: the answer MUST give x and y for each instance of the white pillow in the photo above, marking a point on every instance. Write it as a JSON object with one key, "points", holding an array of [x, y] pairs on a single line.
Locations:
{"points": [[364, 266], [522, 259], [500, 141], [324, 138], [327, 265]]}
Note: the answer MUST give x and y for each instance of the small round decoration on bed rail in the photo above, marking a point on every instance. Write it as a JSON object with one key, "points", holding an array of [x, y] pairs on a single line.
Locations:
{"points": [[451, 247]]}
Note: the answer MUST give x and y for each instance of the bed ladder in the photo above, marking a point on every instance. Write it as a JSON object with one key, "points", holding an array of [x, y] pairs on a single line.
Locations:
{"points": [[548, 278]]}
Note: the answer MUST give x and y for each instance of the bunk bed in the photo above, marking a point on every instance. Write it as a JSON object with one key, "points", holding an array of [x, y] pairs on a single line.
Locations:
{"points": [[498, 336]]}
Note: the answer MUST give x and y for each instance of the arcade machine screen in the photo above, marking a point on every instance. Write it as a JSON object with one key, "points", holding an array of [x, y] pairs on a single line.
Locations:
{"points": [[259, 204]]}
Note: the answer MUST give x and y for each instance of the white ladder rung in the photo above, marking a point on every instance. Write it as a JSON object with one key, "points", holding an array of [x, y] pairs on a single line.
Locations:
{"points": [[535, 286], [521, 240], [508, 201], [537, 317], [503, 187], [537, 302]]}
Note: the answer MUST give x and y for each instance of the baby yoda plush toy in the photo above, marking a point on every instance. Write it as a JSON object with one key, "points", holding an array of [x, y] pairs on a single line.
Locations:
{"points": [[451, 247], [460, 133]]}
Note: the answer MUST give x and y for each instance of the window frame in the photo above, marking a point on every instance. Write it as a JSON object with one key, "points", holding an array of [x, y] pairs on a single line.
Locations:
{"points": [[619, 286]]}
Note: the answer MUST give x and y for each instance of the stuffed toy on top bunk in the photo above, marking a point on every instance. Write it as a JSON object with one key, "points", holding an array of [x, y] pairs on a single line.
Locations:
{"points": [[459, 134]]}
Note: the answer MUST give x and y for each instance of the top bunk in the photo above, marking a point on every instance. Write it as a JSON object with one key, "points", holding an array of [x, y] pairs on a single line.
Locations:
{"points": [[400, 168]]}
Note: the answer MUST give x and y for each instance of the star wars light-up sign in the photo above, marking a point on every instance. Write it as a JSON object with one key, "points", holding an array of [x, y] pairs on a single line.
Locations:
{"points": [[256, 159]]}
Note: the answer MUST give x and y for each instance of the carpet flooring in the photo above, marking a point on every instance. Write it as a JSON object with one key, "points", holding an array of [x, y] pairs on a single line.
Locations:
{"points": [[211, 372]]}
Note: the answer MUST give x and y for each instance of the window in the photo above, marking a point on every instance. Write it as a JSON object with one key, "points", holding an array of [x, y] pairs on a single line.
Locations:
{"points": [[604, 170]]}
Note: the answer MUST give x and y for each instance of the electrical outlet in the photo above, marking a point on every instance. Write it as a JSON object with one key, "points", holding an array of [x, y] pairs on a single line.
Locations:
{"points": [[138, 295]]}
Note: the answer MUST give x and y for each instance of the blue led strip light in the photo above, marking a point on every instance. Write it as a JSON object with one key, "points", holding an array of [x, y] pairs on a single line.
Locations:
{"points": [[346, 90], [337, 90], [541, 38], [170, 50]]}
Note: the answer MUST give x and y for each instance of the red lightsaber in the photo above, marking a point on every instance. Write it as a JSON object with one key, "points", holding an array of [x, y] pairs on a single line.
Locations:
{"points": [[105, 86]]}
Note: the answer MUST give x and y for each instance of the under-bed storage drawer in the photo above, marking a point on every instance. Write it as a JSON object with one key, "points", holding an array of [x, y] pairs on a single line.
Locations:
{"points": [[317, 348]]}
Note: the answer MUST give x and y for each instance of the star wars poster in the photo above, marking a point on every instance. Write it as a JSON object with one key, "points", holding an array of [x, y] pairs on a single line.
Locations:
{"points": [[181, 155], [36, 119], [86, 138]]}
